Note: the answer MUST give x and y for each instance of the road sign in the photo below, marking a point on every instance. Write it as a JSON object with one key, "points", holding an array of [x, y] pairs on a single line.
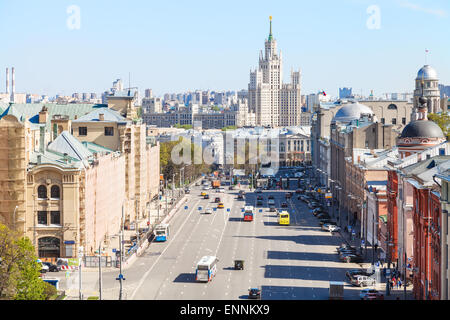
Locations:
{"points": [[228, 209], [120, 277], [199, 208], [260, 210], [185, 207]]}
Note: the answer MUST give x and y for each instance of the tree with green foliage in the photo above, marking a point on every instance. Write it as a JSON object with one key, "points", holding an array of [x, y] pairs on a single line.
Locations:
{"points": [[229, 128], [442, 120], [19, 270]]}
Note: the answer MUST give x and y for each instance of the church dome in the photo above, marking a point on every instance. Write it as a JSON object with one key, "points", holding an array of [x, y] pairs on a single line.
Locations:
{"points": [[352, 111], [422, 129], [427, 73]]}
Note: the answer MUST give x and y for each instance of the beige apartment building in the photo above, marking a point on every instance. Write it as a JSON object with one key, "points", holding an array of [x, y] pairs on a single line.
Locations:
{"points": [[67, 172]]}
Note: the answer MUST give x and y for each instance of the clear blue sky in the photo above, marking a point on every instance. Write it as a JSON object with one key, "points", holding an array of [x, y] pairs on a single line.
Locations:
{"points": [[175, 46]]}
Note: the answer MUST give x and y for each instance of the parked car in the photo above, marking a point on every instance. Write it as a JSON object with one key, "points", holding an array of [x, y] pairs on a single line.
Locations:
{"points": [[356, 272], [272, 209], [259, 198], [259, 202], [284, 205], [330, 227], [258, 190], [370, 294], [363, 281], [325, 220], [271, 197], [298, 191], [220, 205], [206, 187], [323, 215], [197, 183], [254, 293], [206, 196], [208, 211], [217, 200], [187, 190], [314, 204], [44, 267], [351, 257], [51, 267]]}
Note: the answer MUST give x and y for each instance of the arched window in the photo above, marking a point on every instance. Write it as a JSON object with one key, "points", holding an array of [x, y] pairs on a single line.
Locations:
{"points": [[42, 192], [54, 192], [392, 107]]}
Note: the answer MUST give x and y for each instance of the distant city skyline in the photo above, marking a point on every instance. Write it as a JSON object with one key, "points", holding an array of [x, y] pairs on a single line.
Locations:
{"points": [[60, 47]]}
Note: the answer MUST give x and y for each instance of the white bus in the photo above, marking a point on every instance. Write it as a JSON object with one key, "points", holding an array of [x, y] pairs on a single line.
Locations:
{"points": [[161, 232], [206, 268]]}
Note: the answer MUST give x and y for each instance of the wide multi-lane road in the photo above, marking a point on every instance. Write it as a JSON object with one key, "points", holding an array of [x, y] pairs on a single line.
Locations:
{"points": [[286, 262]]}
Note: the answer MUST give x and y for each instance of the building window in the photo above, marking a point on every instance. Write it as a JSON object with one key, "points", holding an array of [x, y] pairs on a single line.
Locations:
{"points": [[55, 217], [42, 217], [82, 131], [394, 120], [109, 131], [392, 107], [403, 120], [42, 192], [54, 192]]}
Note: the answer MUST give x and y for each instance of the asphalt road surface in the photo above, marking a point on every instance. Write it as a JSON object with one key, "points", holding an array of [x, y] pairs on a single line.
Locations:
{"points": [[294, 262]]}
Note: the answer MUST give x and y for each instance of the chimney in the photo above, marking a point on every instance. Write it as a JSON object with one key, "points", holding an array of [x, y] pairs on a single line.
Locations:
{"points": [[7, 80], [43, 114], [101, 117], [13, 82]]}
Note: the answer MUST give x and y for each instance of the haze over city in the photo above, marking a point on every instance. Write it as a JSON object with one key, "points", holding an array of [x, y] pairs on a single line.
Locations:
{"points": [[176, 46]]}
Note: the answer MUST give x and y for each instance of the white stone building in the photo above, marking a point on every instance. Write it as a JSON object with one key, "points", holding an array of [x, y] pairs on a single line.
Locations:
{"points": [[274, 103]]}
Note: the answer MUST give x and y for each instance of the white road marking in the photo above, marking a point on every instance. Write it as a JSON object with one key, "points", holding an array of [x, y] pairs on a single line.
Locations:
{"points": [[156, 261]]}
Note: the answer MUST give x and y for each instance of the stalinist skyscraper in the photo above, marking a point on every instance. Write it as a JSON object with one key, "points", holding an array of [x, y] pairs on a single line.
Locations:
{"points": [[274, 103]]}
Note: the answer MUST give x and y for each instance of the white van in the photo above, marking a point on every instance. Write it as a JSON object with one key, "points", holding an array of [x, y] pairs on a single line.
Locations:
{"points": [[363, 281]]}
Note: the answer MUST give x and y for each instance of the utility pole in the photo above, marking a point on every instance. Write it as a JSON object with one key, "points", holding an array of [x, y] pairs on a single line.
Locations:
{"points": [[100, 270], [121, 278], [80, 253]]}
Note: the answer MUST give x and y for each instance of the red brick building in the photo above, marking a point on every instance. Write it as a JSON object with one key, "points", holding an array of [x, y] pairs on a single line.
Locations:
{"points": [[392, 213], [426, 216]]}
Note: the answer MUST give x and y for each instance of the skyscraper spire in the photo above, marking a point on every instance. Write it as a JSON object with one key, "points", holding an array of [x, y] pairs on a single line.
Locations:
{"points": [[270, 33]]}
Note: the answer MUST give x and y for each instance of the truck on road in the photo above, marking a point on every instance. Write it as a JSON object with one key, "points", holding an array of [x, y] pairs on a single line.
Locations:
{"points": [[215, 184]]}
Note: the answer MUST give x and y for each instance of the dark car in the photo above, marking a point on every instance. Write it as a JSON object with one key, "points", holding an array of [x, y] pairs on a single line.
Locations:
{"points": [[351, 258], [206, 196], [284, 205], [187, 191], [51, 267], [259, 198], [323, 221], [259, 203], [272, 209], [323, 215], [288, 195], [240, 196], [271, 197], [298, 191], [217, 200], [254, 293]]}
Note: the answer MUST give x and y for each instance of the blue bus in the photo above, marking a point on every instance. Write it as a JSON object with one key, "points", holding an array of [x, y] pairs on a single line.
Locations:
{"points": [[161, 232]]}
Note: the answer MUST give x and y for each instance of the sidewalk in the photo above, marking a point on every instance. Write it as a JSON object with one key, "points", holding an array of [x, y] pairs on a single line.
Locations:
{"points": [[395, 294]]}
